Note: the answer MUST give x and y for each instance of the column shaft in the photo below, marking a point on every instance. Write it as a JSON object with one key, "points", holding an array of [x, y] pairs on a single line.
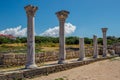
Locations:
{"points": [[62, 15], [30, 58], [82, 49], [104, 44], [104, 30], [30, 43], [95, 54], [62, 50]]}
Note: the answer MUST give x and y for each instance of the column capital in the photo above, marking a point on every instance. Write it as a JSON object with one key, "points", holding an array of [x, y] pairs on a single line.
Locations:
{"points": [[104, 30], [31, 10], [62, 15], [94, 36]]}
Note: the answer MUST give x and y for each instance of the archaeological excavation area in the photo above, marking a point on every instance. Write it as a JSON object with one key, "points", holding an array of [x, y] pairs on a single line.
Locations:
{"points": [[53, 62]]}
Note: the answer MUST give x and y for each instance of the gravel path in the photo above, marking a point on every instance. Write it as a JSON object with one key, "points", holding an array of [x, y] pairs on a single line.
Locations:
{"points": [[102, 70]]}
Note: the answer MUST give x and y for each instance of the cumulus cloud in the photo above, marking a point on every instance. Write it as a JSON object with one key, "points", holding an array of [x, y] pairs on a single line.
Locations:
{"points": [[54, 32], [17, 31]]}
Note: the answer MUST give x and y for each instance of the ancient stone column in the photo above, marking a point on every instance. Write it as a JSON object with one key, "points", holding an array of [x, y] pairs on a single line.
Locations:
{"points": [[30, 11], [82, 49], [104, 30], [95, 45], [62, 15]]}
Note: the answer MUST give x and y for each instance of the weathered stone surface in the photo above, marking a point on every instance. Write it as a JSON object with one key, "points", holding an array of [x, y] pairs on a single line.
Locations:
{"points": [[30, 59], [116, 47], [29, 73], [104, 30], [95, 54], [20, 59], [62, 15], [82, 49]]}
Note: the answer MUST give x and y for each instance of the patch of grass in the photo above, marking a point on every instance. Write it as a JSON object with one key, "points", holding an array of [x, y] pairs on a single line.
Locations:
{"points": [[13, 48], [115, 58], [59, 79], [11, 68], [19, 48], [64, 78]]}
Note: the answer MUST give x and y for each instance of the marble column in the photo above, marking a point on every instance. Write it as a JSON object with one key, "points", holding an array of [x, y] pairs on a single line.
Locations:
{"points": [[104, 30], [62, 15], [95, 45], [82, 49], [30, 58]]}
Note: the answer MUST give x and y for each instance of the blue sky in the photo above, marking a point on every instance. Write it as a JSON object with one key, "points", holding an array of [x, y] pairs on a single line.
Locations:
{"points": [[89, 16]]}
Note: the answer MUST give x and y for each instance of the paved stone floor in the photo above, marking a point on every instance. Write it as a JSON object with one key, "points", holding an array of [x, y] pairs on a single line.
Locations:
{"points": [[102, 70], [39, 65]]}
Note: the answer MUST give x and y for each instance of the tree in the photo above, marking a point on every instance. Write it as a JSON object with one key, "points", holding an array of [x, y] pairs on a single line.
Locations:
{"points": [[23, 39], [87, 40], [72, 40], [100, 41]]}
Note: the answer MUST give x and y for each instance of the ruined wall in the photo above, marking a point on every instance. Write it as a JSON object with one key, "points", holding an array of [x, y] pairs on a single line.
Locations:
{"points": [[10, 59], [116, 47], [20, 59], [29, 73]]}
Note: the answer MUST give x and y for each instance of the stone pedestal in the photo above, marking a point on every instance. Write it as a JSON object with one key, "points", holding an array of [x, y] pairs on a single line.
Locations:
{"points": [[30, 11], [62, 15], [104, 30], [82, 49], [95, 45], [113, 52]]}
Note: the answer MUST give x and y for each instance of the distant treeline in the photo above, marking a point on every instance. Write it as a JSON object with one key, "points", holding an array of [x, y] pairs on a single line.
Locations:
{"points": [[69, 40]]}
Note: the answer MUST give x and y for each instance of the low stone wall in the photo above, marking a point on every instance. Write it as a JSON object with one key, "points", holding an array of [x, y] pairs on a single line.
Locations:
{"points": [[7, 60], [30, 73], [116, 47]]}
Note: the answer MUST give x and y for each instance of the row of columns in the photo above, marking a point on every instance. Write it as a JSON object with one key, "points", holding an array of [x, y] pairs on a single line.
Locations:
{"points": [[95, 46], [61, 15]]}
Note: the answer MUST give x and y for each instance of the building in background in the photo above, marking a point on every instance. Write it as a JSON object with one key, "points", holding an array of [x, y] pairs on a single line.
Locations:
{"points": [[8, 36]]}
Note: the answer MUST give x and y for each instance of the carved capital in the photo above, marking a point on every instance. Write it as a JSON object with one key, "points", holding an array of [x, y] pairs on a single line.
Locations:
{"points": [[31, 10], [62, 15], [104, 30], [94, 36]]}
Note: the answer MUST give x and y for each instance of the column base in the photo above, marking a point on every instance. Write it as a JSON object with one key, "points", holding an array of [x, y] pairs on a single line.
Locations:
{"points": [[61, 62], [95, 57], [32, 66], [80, 59], [104, 55]]}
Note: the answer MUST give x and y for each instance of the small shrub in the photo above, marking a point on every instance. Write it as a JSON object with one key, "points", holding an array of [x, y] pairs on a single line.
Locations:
{"points": [[59, 79]]}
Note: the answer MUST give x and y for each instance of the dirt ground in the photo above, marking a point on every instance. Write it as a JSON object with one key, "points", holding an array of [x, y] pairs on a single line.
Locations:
{"points": [[102, 70]]}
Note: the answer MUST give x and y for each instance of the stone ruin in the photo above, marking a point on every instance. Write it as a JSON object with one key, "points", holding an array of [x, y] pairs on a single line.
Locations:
{"points": [[62, 16], [30, 57], [116, 47]]}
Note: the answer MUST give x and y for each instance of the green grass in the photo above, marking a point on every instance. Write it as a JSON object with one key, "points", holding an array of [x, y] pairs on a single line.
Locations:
{"points": [[43, 47], [59, 79], [64, 78], [16, 48], [22, 47], [115, 58]]}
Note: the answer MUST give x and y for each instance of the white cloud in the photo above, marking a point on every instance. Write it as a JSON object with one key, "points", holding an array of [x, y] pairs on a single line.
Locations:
{"points": [[54, 32], [17, 31]]}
